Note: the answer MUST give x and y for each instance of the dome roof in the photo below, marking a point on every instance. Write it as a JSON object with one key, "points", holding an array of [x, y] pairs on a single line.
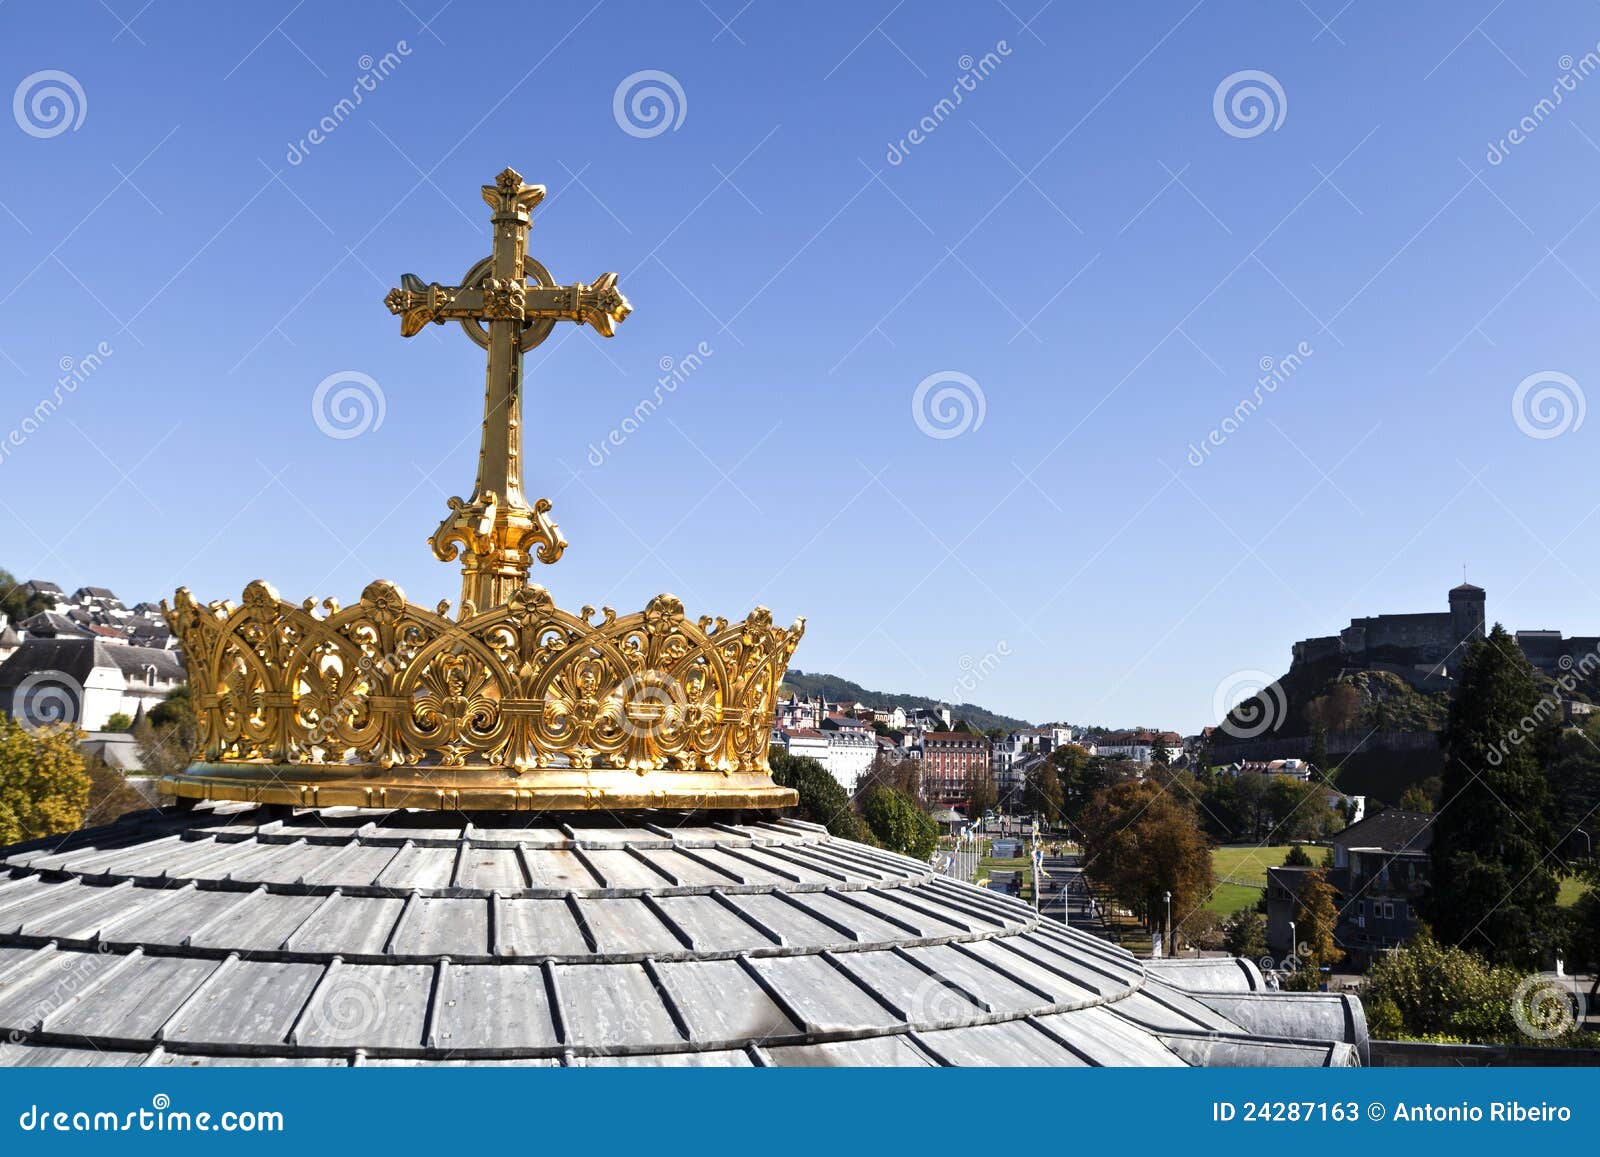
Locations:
{"points": [[233, 934]]}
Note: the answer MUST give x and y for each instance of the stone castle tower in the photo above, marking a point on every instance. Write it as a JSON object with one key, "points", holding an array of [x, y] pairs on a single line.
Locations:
{"points": [[1466, 612]]}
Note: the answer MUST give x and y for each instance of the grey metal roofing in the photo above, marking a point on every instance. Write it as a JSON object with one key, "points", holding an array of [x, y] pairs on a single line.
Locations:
{"points": [[1393, 829], [78, 656], [241, 935]]}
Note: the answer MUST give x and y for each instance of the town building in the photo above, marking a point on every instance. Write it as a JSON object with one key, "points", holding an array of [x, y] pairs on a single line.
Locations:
{"points": [[950, 762], [85, 681], [1140, 746], [1380, 866]]}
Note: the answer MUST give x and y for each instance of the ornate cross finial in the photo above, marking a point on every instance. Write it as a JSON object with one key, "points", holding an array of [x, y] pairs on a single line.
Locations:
{"points": [[507, 303]]}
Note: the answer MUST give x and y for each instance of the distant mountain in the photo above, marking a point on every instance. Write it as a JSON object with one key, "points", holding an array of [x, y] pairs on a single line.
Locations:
{"points": [[803, 684]]}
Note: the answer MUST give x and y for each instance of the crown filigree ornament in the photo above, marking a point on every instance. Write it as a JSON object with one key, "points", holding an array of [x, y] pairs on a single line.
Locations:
{"points": [[513, 704]]}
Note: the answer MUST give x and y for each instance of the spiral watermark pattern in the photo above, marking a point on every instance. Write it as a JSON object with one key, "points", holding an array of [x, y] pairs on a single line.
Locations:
{"points": [[348, 404], [652, 702], [648, 103], [1249, 703], [1248, 103], [350, 1007], [1545, 1009], [48, 103], [47, 699], [942, 999], [948, 404], [1548, 404]]}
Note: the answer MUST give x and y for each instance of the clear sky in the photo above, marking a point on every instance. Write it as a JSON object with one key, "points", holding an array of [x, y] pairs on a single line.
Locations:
{"points": [[1105, 256]]}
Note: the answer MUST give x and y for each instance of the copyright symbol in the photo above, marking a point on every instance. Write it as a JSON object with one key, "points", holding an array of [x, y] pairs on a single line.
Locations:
{"points": [[1375, 1111]]}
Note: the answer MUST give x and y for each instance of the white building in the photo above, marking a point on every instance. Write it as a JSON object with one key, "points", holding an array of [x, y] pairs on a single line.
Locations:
{"points": [[85, 681], [850, 755]]}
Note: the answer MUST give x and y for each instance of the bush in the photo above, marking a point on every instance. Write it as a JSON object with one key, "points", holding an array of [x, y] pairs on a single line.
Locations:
{"points": [[1245, 934], [1427, 989], [899, 824], [822, 798]]}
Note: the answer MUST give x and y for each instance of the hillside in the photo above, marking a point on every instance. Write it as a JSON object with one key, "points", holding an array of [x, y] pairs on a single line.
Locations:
{"points": [[833, 687]]}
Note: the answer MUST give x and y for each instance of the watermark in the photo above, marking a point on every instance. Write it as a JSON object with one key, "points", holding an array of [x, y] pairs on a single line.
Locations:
{"points": [[48, 103], [973, 73], [373, 73], [975, 671], [84, 970], [1248, 103], [648, 103], [674, 372], [47, 699], [1274, 373], [1573, 673], [160, 1117], [651, 703], [74, 372], [349, 1006], [1249, 703], [1572, 72], [948, 404], [1548, 404], [348, 404], [1544, 1008], [946, 997]]}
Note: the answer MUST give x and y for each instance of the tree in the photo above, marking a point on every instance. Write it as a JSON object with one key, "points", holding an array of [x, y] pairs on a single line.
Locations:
{"points": [[1298, 857], [1141, 843], [904, 775], [15, 602], [899, 824], [982, 794], [167, 735], [44, 786], [1316, 915], [1414, 799], [110, 796], [1245, 934], [1426, 989], [118, 721], [823, 799], [1044, 791], [1492, 888], [1338, 708], [1319, 748]]}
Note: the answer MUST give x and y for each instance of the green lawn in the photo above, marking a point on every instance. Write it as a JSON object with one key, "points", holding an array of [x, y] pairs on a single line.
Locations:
{"points": [[1229, 898], [1570, 891], [1248, 864]]}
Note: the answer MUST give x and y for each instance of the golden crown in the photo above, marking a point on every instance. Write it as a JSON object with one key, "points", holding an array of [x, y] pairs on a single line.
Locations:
{"points": [[514, 704]]}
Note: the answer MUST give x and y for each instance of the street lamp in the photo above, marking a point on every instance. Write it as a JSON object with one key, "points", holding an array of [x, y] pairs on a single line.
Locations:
{"points": [[1292, 942], [1172, 945]]}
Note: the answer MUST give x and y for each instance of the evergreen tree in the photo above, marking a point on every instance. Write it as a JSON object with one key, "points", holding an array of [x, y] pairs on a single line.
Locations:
{"points": [[823, 799], [1493, 890]]}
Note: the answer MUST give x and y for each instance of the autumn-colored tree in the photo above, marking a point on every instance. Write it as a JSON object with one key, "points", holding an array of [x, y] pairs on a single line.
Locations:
{"points": [[167, 736], [1316, 914], [1337, 709], [44, 786], [982, 796], [1140, 842], [903, 775]]}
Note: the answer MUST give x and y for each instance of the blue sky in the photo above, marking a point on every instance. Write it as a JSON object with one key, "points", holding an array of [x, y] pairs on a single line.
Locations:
{"points": [[1081, 238]]}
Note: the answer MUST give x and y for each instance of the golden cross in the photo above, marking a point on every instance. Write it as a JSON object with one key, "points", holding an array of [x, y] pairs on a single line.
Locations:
{"points": [[507, 303]]}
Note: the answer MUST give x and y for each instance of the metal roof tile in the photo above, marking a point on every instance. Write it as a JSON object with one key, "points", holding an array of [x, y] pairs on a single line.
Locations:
{"points": [[492, 1006], [719, 1001]]}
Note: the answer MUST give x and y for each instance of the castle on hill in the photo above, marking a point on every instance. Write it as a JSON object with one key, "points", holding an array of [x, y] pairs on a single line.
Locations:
{"points": [[1429, 645]]}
